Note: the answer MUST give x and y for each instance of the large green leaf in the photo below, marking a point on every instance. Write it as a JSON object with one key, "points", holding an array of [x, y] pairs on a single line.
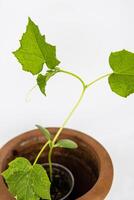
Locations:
{"points": [[35, 51], [43, 79], [122, 79], [27, 182]]}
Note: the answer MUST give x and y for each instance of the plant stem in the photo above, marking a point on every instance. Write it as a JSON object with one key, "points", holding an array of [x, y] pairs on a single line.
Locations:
{"points": [[41, 151], [67, 118], [69, 115], [61, 128], [72, 111], [74, 75], [78, 102], [98, 79], [50, 162]]}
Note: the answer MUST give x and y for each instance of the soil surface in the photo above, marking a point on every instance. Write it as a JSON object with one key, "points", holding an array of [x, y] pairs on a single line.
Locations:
{"points": [[61, 182]]}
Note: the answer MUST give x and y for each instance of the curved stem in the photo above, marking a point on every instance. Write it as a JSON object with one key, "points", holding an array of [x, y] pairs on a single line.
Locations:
{"points": [[98, 79], [78, 102], [69, 116], [41, 151], [61, 128], [67, 119], [74, 75], [72, 111]]}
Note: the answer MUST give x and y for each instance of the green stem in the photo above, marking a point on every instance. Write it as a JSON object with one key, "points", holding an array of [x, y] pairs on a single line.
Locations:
{"points": [[50, 162], [98, 79], [74, 75], [78, 102], [67, 119], [69, 115], [61, 128], [41, 151]]}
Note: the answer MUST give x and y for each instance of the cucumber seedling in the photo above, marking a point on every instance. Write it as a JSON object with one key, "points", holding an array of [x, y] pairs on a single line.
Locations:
{"points": [[28, 181]]}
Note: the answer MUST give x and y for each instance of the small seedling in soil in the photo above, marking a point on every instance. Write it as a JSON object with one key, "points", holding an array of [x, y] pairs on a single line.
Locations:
{"points": [[30, 181]]}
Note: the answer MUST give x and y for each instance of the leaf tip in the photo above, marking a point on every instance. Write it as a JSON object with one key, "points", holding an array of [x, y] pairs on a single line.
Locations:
{"points": [[29, 19], [43, 92], [36, 125]]}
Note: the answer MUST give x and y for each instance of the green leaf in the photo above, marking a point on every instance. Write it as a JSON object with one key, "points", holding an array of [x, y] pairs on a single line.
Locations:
{"points": [[27, 182], [44, 131], [35, 51], [66, 143], [123, 85], [43, 79], [122, 62], [122, 79]]}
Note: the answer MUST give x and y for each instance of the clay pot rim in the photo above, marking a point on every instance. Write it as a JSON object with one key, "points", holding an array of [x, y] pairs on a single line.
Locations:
{"points": [[104, 182]]}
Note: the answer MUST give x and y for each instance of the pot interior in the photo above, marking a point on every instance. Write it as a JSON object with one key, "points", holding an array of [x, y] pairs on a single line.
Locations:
{"points": [[82, 162], [62, 181]]}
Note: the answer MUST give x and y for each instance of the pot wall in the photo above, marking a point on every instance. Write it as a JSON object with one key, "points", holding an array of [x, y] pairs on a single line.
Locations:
{"points": [[90, 163]]}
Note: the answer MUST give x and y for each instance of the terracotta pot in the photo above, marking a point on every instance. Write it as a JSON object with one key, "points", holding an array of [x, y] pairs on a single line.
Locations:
{"points": [[90, 163]]}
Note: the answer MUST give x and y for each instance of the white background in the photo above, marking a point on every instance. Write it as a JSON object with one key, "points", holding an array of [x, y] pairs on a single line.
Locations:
{"points": [[85, 32]]}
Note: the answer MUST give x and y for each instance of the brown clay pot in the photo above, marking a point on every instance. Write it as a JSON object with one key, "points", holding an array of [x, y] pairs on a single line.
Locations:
{"points": [[90, 163]]}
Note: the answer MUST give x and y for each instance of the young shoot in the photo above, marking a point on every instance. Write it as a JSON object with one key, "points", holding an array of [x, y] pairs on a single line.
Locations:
{"points": [[30, 181]]}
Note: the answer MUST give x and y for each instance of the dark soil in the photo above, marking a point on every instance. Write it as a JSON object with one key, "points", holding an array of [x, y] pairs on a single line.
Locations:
{"points": [[61, 182]]}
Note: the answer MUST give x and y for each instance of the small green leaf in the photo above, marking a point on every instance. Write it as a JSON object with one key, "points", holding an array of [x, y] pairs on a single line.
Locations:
{"points": [[43, 79], [66, 143], [35, 51], [122, 79], [27, 182], [44, 131]]}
